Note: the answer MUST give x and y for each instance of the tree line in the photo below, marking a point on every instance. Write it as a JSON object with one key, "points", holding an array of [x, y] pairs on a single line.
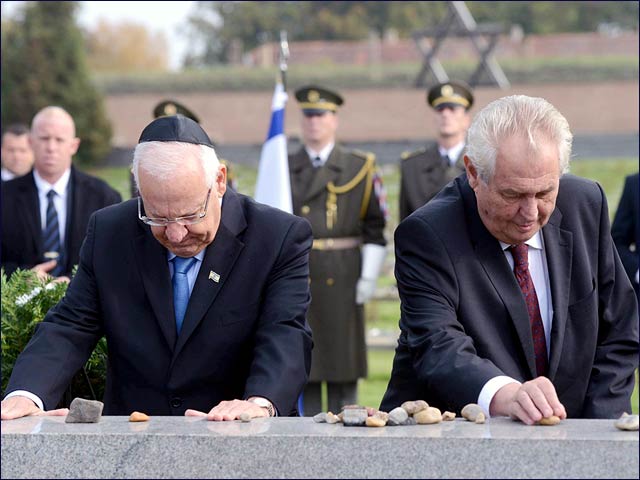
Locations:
{"points": [[216, 28]]}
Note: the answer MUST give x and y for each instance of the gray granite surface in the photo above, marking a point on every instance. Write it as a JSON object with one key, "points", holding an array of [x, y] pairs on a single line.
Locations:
{"points": [[181, 447]]}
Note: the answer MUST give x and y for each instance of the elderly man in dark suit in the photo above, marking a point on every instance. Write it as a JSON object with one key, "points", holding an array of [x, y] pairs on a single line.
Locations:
{"points": [[513, 295], [201, 293], [45, 212], [625, 229]]}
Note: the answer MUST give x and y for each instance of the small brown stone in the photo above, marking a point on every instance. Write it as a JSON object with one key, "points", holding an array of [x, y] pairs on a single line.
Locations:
{"points": [[428, 416], [552, 420], [138, 417], [331, 418], [375, 422], [448, 416], [414, 406]]}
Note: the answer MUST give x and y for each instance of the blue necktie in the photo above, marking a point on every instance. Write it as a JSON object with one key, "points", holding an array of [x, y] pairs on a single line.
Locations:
{"points": [[181, 287], [51, 235]]}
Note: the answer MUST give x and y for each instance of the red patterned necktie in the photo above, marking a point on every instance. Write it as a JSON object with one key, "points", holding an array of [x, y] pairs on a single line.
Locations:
{"points": [[521, 270]]}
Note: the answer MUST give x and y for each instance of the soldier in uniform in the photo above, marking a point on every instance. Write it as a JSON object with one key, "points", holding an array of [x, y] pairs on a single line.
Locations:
{"points": [[171, 107], [340, 193], [424, 172]]}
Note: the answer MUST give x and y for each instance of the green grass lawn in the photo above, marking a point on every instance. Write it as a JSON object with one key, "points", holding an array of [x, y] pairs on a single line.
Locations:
{"points": [[384, 314]]}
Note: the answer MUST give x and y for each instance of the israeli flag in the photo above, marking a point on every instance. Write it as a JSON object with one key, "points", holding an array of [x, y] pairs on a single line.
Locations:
{"points": [[273, 185]]}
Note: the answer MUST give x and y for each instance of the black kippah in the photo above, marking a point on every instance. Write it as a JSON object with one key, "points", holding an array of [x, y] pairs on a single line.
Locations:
{"points": [[175, 128]]}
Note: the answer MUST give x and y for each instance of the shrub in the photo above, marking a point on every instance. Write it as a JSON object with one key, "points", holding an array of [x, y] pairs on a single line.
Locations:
{"points": [[25, 301]]}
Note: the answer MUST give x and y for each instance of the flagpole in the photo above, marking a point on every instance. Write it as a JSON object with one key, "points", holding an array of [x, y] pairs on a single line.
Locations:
{"points": [[283, 58]]}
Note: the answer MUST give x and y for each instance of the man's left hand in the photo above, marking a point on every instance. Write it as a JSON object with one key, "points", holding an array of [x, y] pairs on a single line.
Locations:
{"points": [[229, 410]]}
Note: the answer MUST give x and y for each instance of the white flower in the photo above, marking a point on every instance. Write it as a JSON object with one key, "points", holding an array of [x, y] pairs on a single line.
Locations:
{"points": [[22, 300], [50, 286]]}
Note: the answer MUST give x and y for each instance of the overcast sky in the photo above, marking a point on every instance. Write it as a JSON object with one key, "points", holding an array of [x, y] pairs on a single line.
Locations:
{"points": [[165, 16]]}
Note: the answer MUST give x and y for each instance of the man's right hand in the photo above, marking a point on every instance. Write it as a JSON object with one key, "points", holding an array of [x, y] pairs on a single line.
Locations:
{"points": [[18, 406], [42, 271], [528, 402]]}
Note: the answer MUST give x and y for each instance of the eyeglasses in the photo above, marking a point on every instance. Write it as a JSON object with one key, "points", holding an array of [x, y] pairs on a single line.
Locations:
{"points": [[186, 220]]}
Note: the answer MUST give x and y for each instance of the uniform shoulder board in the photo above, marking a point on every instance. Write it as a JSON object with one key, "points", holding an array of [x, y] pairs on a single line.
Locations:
{"points": [[364, 155], [409, 154]]}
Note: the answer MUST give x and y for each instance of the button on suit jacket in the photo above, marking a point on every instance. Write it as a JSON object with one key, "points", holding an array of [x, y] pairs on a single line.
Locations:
{"points": [[464, 320], [243, 335]]}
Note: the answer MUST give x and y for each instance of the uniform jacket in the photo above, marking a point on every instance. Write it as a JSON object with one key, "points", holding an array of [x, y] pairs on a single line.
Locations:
{"points": [[625, 229], [21, 226], [423, 173], [339, 352], [243, 334], [464, 319]]}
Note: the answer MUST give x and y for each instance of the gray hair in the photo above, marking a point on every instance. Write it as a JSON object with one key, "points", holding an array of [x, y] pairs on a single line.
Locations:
{"points": [[517, 115], [161, 160]]}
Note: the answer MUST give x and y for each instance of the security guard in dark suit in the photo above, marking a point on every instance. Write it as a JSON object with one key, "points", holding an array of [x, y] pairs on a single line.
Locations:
{"points": [[424, 172], [171, 107], [340, 193]]}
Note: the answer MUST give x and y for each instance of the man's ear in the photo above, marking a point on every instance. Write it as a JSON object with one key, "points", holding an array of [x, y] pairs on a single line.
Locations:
{"points": [[221, 180], [472, 172]]}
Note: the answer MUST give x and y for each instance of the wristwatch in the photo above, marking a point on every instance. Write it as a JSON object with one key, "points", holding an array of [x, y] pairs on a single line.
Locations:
{"points": [[264, 403]]}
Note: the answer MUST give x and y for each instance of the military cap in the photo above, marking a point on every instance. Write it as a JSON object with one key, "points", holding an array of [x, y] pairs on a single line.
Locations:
{"points": [[175, 128], [451, 94], [317, 99], [171, 107]]}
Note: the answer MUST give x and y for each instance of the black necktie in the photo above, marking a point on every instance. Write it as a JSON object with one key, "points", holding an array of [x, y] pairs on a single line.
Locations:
{"points": [[51, 235]]}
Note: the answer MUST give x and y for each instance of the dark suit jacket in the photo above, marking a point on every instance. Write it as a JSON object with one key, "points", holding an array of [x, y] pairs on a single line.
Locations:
{"points": [[21, 227], [464, 319], [243, 335], [625, 229], [423, 174]]}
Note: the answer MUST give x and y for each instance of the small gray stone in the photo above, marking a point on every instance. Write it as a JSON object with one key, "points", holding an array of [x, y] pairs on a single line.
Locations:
{"points": [[84, 411], [397, 416], [627, 422], [320, 417], [354, 416], [245, 417]]}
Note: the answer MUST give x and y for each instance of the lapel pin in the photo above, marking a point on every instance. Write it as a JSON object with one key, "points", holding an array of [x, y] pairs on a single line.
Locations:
{"points": [[214, 276]]}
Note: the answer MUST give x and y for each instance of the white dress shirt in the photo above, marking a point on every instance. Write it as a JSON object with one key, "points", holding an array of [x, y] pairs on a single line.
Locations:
{"points": [[323, 154], [453, 153], [539, 271]]}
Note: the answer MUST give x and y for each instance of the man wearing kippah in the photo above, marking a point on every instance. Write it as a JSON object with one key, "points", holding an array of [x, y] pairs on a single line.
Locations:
{"points": [[200, 292], [425, 171], [340, 193]]}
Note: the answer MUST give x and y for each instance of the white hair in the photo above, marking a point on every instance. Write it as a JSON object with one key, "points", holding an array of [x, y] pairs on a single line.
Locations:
{"points": [[161, 160], [516, 116]]}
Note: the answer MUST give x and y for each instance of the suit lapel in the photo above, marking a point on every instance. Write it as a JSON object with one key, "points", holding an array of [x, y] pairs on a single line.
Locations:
{"points": [[154, 270], [495, 265], [558, 246], [219, 259], [28, 208]]}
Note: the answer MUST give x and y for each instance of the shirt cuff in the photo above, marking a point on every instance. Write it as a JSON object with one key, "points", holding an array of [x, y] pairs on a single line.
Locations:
{"points": [[489, 390], [23, 393]]}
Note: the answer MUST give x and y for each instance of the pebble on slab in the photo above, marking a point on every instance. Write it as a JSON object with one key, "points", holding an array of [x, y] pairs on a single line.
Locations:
{"points": [[245, 417], [627, 422], [84, 411], [138, 417], [428, 416], [448, 416], [473, 412], [552, 420]]}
